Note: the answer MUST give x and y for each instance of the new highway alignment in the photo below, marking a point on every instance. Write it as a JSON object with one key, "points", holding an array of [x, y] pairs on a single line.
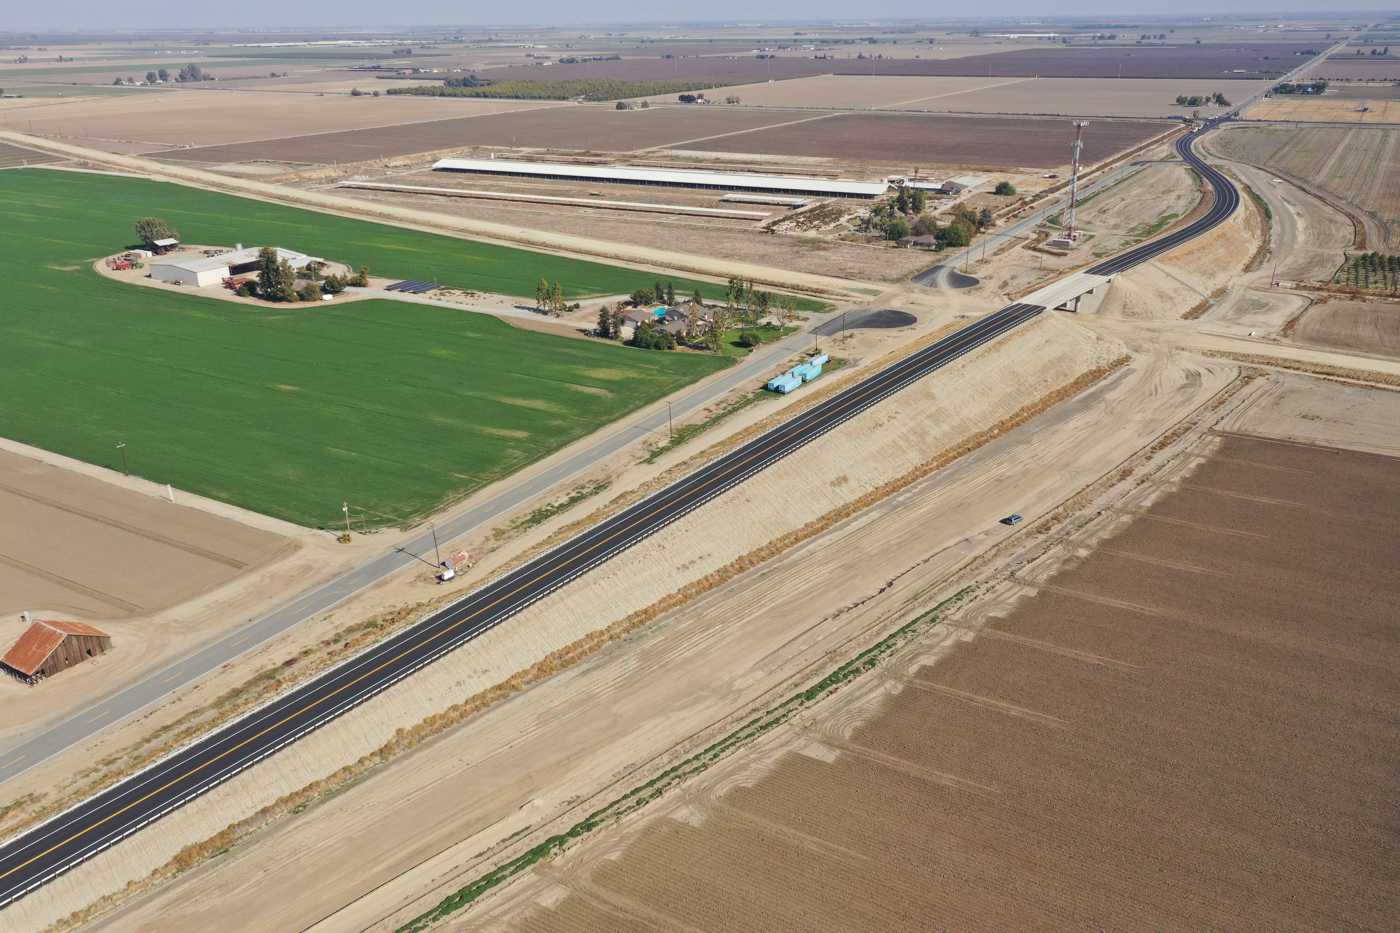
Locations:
{"points": [[48, 850]]}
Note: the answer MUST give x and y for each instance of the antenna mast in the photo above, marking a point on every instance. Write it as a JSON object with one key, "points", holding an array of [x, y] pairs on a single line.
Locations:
{"points": [[1074, 176]]}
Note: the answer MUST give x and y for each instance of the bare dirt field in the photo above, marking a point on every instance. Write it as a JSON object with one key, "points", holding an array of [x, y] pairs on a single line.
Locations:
{"points": [[920, 140], [1366, 326], [1364, 91], [565, 126], [1327, 110], [1071, 96], [1342, 68], [212, 118], [1196, 717], [1322, 411], [79, 546]]}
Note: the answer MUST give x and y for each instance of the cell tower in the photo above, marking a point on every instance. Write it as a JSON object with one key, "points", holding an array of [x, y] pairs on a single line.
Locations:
{"points": [[1070, 233]]}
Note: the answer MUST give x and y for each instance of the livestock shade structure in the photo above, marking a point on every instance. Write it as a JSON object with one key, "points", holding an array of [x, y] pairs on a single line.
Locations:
{"points": [[675, 178], [49, 647]]}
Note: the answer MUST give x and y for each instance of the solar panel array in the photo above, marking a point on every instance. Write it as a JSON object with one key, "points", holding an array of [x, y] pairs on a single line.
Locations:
{"points": [[412, 287]]}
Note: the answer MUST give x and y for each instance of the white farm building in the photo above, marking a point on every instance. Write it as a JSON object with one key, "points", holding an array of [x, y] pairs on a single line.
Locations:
{"points": [[201, 271], [672, 178]]}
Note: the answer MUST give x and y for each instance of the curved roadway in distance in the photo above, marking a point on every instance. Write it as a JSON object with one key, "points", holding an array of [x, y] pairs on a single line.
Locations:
{"points": [[72, 837]]}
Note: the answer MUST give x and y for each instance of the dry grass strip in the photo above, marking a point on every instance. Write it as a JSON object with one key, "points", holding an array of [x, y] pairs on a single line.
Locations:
{"points": [[408, 738], [1317, 369]]}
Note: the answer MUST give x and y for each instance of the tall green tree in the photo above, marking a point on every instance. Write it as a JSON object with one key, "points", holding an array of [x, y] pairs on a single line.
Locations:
{"points": [[150, 229], [670, 294], [542, 291]]}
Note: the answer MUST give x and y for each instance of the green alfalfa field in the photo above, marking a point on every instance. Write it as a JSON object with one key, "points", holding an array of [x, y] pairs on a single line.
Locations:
{"points": [[290, 410]]}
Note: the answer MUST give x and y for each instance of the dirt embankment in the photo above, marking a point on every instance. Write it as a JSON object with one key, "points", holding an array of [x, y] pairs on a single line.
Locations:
{"points": [[864, 459], [1189, 277]]}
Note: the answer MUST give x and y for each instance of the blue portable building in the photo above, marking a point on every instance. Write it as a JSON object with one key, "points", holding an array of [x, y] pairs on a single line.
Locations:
{"points": [[784, 383]]}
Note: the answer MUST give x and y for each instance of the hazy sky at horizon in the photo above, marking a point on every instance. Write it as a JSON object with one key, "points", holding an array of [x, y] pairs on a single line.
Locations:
{"points": [[87, 15]]}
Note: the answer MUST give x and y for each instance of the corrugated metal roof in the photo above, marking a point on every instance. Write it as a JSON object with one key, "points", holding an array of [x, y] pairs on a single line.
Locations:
{"points": [[666, 176], [231, 258], [35, 645]]}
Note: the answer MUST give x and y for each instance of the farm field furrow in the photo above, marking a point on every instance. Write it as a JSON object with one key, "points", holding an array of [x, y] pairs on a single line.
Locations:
{"points": [[599, 128], [398, 408], [1185, 724], [937, 140]]}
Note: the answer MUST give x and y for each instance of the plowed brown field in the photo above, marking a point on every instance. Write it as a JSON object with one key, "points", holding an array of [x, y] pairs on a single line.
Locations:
{"points": [[602, 129], [1194, 729], [1371, 327], [918, 139], [1215, 61]]}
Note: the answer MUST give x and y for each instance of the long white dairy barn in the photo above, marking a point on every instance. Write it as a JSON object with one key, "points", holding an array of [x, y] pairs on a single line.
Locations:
{"points": [[669, 178]]}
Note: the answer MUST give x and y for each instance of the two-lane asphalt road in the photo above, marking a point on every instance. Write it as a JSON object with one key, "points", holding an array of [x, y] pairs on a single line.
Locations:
{"points": [[43, 853]]}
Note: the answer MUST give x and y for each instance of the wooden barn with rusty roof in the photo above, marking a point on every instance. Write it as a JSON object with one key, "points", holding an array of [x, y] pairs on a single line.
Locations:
{"points": [[50, 647]]}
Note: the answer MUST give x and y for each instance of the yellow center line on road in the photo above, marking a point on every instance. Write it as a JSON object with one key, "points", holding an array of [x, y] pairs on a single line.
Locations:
{"points": [[451, 628], [240, 641], [15, 762], [98, 716], [172, 677]]}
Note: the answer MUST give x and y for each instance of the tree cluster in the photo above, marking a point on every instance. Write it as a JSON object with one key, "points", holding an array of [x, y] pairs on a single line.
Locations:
{"points": [[549, 299], [656, 295], [1316, 87], [649, 336], [911, 200], [193, 73], [1005, 189], [609, 323], [1200, 100]]}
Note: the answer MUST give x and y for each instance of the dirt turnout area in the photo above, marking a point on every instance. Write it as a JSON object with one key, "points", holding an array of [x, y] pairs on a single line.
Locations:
{"points": [[936, 140], [1367, 326], [1073, 96], [1192, 729], [79, 546], [211, 118], [598, 128]]}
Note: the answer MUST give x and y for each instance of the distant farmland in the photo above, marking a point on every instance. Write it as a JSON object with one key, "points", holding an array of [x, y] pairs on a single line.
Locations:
{"points": [[919, 139], [394, 407], [598, 128], [1214, 60]]}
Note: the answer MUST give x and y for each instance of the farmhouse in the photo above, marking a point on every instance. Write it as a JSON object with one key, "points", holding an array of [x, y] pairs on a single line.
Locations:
{"points": [[49, 647], [673, 178], [201, 271]]}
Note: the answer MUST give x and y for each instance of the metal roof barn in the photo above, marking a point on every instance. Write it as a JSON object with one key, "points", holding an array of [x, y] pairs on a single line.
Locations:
{"points": [[49, 647], [672, 178]]}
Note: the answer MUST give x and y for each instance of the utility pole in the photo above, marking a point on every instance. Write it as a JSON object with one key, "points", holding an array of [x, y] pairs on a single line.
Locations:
{"points": [[122, 447], [345, 507], [1074, 175], [435, 544], [670, 424]]}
